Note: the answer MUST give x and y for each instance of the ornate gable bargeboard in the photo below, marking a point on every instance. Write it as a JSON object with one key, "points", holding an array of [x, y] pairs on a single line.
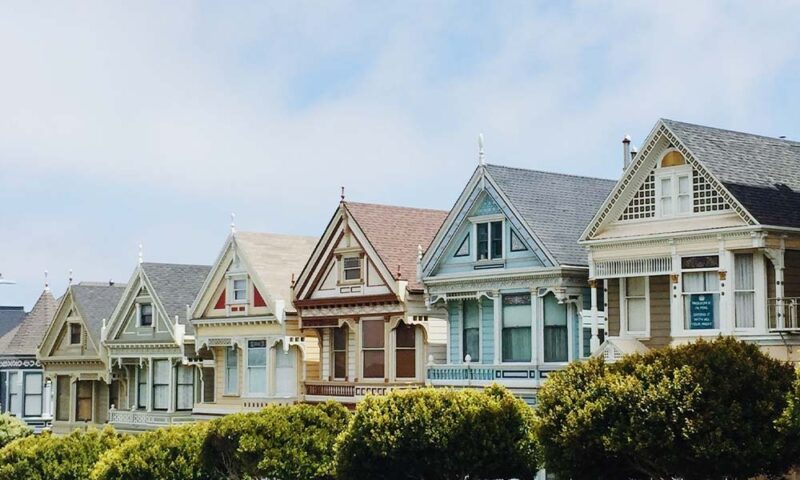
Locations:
{"points": [[508, 283]]}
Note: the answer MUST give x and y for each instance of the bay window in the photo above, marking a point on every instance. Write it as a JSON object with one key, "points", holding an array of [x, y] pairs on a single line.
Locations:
{"points": [[700, 280], [372, 344], [231, 371], [744, 290], [555, 335], [405, 351], [185, 388], [340, 352], [161, 373], [257, 367], [32, 406], [471, 331], [517, 321]]}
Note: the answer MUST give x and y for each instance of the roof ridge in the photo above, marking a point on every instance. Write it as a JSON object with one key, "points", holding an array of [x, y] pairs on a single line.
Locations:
{"points": [[573, 175], [738, 132], [394, 206], [251, 232], [174, 264]]}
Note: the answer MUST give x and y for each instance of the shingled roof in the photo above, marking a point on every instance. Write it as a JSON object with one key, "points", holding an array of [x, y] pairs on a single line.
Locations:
{"points": [[762, 173], [557, 207], [396, 233], [95, 302], [176, 286], [25, 338], [10, 317]]}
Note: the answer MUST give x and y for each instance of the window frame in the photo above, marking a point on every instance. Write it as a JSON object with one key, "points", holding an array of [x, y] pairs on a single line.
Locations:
{"points": [[736, 290], [72, 326], [232, 279], [489, 221], [674, 174], [142, 387], [65, 396], [235, 391], [465, 243], [78, 399], [156, 384], [463, 329], [365, 349], [700, 331], [248, 393], [398, 348], [142, 315], [503, 327], [623, 301], [344, 269], [14, 393], [346, 331], [179, 384], [569, 313], [26, 394]]}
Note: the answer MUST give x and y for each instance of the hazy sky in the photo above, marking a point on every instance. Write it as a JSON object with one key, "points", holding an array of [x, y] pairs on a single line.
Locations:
{"points": [[123, 122]]}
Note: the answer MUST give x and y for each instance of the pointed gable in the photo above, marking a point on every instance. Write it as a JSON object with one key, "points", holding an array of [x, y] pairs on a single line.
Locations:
{"points": [[95, 303], [26, 337]]}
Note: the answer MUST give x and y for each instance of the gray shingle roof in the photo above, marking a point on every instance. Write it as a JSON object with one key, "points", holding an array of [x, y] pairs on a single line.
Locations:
{"points": [[763, 173], [176, 286], [25, 339], [557, 207], [10, 317], [96, 302]]}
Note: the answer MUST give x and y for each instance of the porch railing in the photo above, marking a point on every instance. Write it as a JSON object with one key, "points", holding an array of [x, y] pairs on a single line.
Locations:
{"points": [[523, 375], [784, 314], [145, 419], [353, 389]]}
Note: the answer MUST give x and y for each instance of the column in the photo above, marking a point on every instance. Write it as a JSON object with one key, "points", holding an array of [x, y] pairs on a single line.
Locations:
{"points": [[149, 402], [498, 328], [173, 385], [594, 342]]}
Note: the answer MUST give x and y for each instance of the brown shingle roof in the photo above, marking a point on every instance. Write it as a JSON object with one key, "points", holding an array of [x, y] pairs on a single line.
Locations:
{"points": [[396, 232]]}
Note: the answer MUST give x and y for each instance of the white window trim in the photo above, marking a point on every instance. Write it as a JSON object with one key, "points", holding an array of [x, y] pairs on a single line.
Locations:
{"points": [[225, 391], [231, 293], [533, 327], [246, 393], [394, 349], [69, 333], [674, 173], [570, 332], [735, 289], [386, 364], [139, 315], [682, 330], [333, 353], [488, 219], [362, 267], [623, 301]]}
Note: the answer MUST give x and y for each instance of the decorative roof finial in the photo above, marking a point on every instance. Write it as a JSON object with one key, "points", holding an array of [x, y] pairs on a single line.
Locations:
{"points": [[419, 253], [399, 273], [141, 253], [293, 281], [342, 195], [46, 283], [481, 153], [70, 277], [233, 222]]}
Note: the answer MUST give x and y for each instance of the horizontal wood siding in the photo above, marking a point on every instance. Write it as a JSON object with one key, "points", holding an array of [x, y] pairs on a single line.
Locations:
{"points": [[455, 325], [613, 306], [487, 331], [659, 312]]}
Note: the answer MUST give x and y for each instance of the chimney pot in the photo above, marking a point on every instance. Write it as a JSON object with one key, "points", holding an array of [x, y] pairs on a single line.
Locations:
{"points": [[626, 151]]}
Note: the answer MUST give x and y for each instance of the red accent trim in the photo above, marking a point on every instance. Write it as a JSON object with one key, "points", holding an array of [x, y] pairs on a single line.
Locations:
{"points": [[319, 322], [301, 286], [341, 301], [258, 300], [221, 302]]}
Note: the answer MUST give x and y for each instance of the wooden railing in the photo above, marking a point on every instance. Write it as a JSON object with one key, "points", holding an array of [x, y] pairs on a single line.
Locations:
{"points": [[783, 314], [354, 389], [142, 418], [484, 374]]}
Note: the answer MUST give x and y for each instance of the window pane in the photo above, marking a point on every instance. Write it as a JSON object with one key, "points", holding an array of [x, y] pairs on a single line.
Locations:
{"points": [[555, 341], [555, 314], [684, 185], [635, 287], [340, 365], [146, 312], [283, 359], [161, 370], [84, 404], [256, 353], [471, 314], [744, 271], [33, 383], [745, 310], [706, 261], [471, 344], [517, 310], [405, 336], [185, 397], [160, 397], [517, 344], [74, 333], [372, 333], [406, 363], [693, 282], [373, 364], [636, 314], [142, 387], [62, 397], [340, 338], [497, 239], [483, 241], [257, 380], [666, 187]]}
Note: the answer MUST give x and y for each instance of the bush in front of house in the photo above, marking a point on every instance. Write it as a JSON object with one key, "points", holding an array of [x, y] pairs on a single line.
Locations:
{"points": [[49, 457], [703, 410], [440, 434], [171, 453], [12, 428], [294, 442]]}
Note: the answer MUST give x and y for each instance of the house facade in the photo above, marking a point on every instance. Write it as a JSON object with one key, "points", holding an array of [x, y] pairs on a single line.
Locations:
{"points": [[507, 268], [700, 238], [74, 359], [153, 382], [247, 340], [25, 392], [358, 296]]}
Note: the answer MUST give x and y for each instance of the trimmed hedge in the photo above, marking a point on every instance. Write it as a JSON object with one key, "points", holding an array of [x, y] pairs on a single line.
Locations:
{"points": [[48, 457], [12, 428], [440, 434]]}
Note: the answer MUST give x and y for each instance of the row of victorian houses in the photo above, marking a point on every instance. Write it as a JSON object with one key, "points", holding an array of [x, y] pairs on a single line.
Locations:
{"points": [[528, 271]]}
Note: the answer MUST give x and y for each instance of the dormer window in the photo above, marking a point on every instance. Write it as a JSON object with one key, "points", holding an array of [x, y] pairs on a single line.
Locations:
{"points": [[351, 268], [239, 290], [74, 333], [145, 315], [490, 240]]}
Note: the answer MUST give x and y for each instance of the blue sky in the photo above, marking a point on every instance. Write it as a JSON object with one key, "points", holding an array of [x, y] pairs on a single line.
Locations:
{"points": [[150, 122]]}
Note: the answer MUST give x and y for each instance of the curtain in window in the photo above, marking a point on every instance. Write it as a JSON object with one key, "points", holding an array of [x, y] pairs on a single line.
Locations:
{"points": [[231, 371], [745, 291], [636, 303], [257, 367], [141, 391], [471, 334], [63, 385], [185, 387], [555, 341], [517, 328], [33, 395], [161, 371]]}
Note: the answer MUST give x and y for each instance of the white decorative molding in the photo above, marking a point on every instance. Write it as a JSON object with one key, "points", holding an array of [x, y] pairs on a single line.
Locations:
{"points": [[633, 267]]}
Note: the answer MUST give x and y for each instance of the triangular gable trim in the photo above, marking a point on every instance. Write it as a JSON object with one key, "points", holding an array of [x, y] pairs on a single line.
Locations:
{"points": [[481, 182], [628, 185], [132, 290], [48, 345]]}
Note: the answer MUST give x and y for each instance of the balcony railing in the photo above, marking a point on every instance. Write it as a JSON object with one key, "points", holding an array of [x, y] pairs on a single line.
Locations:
{"points": [[354, 390], [783, 314], [142, 419], [476, 374]]}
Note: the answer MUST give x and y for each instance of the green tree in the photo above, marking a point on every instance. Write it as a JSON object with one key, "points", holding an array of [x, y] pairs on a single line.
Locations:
{"points": [[12, 428], [437, 434], [702, 410]]}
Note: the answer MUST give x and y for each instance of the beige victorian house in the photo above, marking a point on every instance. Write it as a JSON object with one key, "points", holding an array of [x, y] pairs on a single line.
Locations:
{"points": [[74, 359], [247, 341]]}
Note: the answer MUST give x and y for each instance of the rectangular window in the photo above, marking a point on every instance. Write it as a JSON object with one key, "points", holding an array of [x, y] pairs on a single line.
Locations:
{"points": [[517, 327], [471, 331], [555, 338], [231, 371], [497, 240], [406, 351], [141, 387], [744, 290], [185, 388], [665, 199], [372, 344], [83, 405], [352, 268], [684, 194], [14, 388], [113, 394], [700, 292], [636, 305], [257, 367], [63, 393], [490, 240], [340, 353], [146, 315], [161, 373], [240, 290], [675, 194], [33, 395], [75, 333]]}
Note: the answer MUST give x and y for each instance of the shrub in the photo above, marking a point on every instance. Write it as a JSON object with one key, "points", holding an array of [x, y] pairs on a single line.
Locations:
{"points": [[166, 454], [439, 434], [288, 442], [703, 410], [12, 428], [47, 457]]}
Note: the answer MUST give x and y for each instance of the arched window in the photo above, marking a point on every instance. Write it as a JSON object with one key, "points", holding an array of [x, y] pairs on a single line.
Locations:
{"points": [[673, 159]]}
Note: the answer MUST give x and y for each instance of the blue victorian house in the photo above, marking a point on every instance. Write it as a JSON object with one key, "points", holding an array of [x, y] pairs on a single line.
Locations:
{"points": [[507, 267]]}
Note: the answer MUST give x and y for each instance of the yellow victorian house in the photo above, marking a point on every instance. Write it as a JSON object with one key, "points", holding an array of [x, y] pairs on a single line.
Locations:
{"points": [[249, 347]]}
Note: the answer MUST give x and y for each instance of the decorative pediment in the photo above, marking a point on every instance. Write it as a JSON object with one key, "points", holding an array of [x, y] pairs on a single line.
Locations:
{"points": [[140, 315], [67, 335], [614, 348]]}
